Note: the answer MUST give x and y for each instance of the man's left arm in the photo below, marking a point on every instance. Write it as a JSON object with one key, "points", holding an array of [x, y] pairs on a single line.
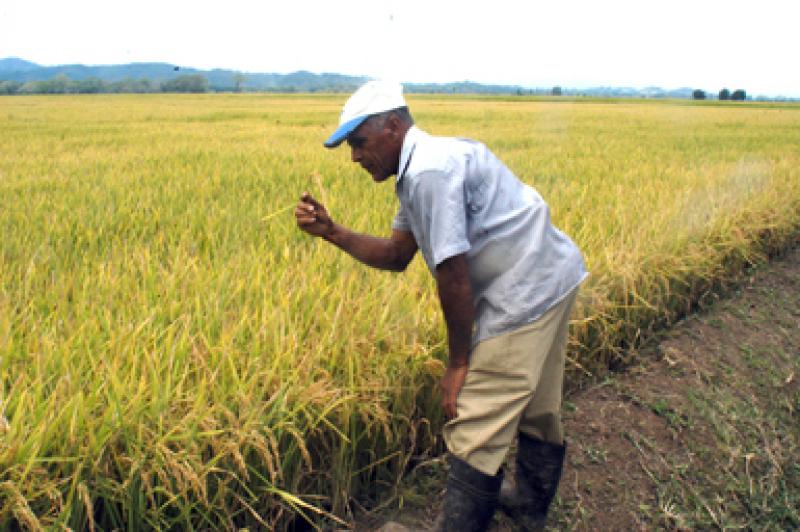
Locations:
{"points": [[455, 296]]}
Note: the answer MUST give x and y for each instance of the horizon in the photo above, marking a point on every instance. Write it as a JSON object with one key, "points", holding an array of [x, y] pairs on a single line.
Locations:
{"points": [[708, 91], [619, 43]]}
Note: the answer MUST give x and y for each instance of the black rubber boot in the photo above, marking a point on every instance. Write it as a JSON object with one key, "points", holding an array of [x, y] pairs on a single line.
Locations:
{"points": [[538, 472], [470, 499]]}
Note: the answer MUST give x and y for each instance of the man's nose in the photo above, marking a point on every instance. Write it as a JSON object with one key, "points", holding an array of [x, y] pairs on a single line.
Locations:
{"points": [[355, 154]]}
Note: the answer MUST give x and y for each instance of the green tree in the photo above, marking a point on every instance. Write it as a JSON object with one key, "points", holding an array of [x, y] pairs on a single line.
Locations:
{"points": [[90, 86], [186, 83], [556, 91], [238, 81], [60, 84], [143, 85], [698, 94], [724, 94], [130, 85], [30, 87], [739, 95], [10, 87]]}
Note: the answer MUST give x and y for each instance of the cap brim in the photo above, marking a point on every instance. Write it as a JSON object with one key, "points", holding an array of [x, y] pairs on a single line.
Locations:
{"points": [[342, 131]]}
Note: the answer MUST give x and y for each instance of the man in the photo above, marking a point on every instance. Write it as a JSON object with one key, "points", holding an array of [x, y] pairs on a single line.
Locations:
{"points": [[506, 281]]}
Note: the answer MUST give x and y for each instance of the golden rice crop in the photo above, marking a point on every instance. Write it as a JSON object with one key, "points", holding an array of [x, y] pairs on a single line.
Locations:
{"points": [[174, 353]]}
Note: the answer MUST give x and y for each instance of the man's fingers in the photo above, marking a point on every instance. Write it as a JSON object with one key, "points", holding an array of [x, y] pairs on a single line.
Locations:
{"points": [[450, 385], [449, 402], [307, 210], [308, 198], [304, 209], [305, 214], [450, 410]]}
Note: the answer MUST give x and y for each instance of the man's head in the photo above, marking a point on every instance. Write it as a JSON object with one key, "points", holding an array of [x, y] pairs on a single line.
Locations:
{"points": [[377, 142], [374, 122]]}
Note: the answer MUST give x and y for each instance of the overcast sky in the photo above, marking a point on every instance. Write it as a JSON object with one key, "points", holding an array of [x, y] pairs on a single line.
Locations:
{"points": [[694, 43]]}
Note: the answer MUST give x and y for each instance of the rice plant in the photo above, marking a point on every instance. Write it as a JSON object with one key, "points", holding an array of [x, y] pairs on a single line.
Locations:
{"points": [[174, 353]]}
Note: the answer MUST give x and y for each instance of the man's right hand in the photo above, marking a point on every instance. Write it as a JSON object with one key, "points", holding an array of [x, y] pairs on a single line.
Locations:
{"points": [[312, 217]]}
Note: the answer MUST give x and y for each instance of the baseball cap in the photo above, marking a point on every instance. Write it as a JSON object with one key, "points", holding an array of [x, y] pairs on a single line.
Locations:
{"points": [[373, 97]]}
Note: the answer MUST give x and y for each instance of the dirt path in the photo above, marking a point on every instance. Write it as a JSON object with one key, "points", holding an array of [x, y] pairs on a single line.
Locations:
{"points": [[704, 433], [704, 429]]}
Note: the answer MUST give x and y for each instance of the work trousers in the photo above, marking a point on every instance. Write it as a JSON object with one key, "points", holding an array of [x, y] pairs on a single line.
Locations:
{"points": [[514, 384]]}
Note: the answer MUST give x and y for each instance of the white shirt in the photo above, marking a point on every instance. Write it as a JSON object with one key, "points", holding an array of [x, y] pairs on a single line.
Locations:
{"points": [[457, 197]]}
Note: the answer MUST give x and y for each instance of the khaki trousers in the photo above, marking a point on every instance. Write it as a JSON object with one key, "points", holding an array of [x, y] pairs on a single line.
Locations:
{"points": [[514, 383]]}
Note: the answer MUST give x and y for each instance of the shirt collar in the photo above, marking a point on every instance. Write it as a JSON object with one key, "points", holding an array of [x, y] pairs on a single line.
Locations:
{"points": [[409, 143]]}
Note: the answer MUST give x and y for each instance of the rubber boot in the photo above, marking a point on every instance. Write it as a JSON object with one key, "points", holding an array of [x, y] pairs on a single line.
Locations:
{"points": [[470, 500], [528, 498]]}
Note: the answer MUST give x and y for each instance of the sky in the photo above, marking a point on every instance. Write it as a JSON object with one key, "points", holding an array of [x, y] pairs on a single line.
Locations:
{"points": [[623, 43]]}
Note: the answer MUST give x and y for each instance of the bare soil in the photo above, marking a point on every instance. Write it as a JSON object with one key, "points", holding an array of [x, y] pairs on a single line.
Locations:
{"points": [[703, 432]]}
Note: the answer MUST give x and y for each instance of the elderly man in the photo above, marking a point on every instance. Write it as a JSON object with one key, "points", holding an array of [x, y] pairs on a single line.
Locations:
{"points": [[506, 280]]}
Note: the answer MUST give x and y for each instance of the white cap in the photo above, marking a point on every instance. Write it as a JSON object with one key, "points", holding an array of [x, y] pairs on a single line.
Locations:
{"points": [[373, 97]]}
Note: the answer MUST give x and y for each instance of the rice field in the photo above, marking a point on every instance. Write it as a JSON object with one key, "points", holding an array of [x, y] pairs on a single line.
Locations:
{"points": [[174, 353]]}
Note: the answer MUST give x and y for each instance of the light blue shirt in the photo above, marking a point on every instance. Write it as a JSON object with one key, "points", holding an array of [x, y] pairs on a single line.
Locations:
{"points": [[457, 197]]}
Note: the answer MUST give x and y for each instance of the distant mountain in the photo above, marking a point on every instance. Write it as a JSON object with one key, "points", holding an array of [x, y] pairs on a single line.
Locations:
{"points": [[21, 76], [21, 71], [11, 64]]}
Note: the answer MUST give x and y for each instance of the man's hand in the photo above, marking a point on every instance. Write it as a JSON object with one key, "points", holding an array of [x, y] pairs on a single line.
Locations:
{"points": [[450, 385], [455, 295], [312, 217]]}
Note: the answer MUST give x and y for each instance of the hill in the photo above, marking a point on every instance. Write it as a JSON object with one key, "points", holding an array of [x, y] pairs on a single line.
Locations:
{"points": [[21, 71], [150, 77], [14, 64], [21, 76]]}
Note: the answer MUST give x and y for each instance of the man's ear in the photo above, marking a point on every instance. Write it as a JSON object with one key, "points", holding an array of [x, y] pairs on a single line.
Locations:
{"points": [[394, 123], [391, 121]]}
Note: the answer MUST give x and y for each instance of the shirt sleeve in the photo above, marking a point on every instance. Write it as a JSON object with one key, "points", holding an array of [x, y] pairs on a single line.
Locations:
{"points": [[401, 222], [440, 198]]}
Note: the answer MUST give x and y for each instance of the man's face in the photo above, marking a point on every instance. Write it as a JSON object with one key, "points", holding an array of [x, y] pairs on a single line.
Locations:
{"points": [[374, 145]]}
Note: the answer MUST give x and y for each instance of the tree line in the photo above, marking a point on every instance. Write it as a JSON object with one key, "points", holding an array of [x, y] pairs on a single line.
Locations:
{"points": [[198, 83], [724, 94], [92, 85]]}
